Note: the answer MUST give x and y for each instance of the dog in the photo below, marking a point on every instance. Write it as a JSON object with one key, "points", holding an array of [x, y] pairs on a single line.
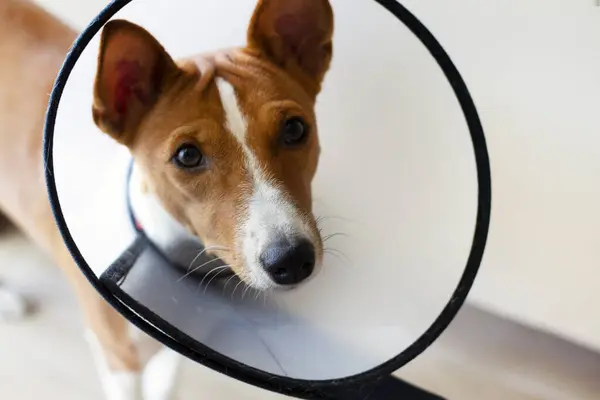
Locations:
{"points": [[224, 144]]}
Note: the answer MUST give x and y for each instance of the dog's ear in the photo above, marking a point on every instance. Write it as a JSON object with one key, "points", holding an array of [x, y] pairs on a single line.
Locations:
{"points": [[133, 68], [296, 35]]}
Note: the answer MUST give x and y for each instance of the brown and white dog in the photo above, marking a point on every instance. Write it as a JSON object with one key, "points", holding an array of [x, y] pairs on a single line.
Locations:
{"points": [[225, 144]]}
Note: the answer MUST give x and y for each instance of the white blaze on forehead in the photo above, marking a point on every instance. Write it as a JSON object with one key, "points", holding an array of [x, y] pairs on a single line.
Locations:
{"points": [[235, 120], [271, 217]]}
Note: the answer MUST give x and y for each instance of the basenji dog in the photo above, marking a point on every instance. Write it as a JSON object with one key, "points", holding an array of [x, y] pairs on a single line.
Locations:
{"points": [[224, 144]]}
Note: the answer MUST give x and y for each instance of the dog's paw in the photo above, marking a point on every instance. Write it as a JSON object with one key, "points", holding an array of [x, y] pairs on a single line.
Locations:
{"points": [[160, 378], [117, 385], [13, 306], [121, 386]]}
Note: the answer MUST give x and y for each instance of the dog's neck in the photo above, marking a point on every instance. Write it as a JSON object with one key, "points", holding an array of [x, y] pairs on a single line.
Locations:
{"points": [[179, 245]]}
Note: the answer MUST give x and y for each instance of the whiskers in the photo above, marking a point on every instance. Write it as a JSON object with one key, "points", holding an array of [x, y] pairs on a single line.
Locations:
{"points": [[197, 268], [222, 248], [329, 237], [333, 217], [326, 238], [213, 273], [246, 287], [222, 278], [337, 254], [246, 290], [218, 270], [241, 282], [191, 270]]}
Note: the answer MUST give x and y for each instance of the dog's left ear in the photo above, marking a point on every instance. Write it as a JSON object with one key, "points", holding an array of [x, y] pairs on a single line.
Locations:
{"points": [[296, 35]]}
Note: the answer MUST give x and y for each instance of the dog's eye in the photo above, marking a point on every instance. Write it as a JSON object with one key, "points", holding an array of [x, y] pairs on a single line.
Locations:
{"points": [[188, 157], [294, 131]]}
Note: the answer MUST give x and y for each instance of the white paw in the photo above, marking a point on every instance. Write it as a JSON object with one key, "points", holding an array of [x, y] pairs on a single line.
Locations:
{"points": [[121, 386], [117, 385], [159, 381], [12, 305]]}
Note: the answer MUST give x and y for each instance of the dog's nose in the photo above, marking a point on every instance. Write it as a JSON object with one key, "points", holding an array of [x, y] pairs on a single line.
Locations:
{"points": [[289, 263]]}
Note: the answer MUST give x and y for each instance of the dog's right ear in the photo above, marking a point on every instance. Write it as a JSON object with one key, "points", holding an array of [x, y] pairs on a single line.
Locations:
{"points": [[133, 69]]}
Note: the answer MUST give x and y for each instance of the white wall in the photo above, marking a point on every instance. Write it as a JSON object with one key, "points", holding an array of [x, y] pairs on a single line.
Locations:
{"points": [[533, 68]]}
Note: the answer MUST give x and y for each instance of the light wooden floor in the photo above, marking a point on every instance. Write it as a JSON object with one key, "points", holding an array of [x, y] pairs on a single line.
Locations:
{"points": [[480, 356]]}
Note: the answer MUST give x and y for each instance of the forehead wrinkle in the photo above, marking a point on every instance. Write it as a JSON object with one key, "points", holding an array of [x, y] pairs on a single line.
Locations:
{"points": [[220, 63], [202, 65]]}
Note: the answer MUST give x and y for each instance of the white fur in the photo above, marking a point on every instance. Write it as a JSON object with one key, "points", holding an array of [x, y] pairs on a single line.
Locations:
{"points": [[117, 385], [161, 374], [158, 381], [175, 240], [235, 120], [271, 216], [162, 366], [12, 305], [158, 224]]}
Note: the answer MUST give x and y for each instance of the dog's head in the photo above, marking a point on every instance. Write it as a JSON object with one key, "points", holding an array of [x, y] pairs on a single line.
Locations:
{"points": [[228, 142]]}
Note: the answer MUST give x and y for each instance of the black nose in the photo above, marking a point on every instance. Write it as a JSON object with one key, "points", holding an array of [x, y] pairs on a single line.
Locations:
{"points": [[289, 263]]}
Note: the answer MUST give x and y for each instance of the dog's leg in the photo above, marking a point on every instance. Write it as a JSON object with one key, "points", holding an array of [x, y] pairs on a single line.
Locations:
{"points": [[112, 346], [123, 373], [161, 367], [161, 374]]}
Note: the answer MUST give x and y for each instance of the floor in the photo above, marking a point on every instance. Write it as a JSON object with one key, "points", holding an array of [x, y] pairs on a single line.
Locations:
{"points": [[480, 356]]}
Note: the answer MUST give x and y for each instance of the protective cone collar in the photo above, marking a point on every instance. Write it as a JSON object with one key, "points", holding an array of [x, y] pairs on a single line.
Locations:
{"points": [[321, 341]]}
